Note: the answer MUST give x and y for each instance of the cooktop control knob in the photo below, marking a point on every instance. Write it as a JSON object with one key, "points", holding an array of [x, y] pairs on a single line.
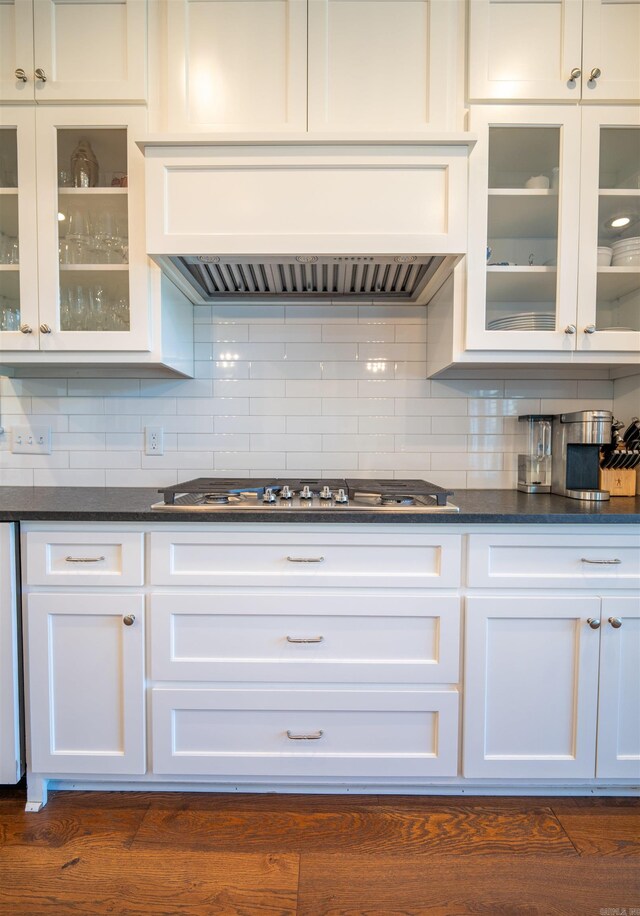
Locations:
{"points": [[269, 496], [325, 493], [341, 496], [306, 493], [286, 493]]}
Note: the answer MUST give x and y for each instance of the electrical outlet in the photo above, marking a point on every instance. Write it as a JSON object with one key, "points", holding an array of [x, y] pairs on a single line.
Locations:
{"points": [[153, 440], [31, 440]]}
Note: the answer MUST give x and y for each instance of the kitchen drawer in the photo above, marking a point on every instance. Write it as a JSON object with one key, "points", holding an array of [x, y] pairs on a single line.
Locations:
{"points": [[393, 637], [554, 560], [84, 558], [301, 557], [313, 733]]}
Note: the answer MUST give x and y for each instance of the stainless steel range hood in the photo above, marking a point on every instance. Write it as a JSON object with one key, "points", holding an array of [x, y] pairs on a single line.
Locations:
{"points": [[307, 221]]}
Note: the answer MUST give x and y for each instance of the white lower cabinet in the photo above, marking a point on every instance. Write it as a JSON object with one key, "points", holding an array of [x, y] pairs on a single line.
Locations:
{"points": [[86, 683], [267, 671], [305, 732], [532, 673]]}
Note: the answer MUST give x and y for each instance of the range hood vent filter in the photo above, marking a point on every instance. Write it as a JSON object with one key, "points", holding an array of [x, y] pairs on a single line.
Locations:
{"points": [[397, 277]]}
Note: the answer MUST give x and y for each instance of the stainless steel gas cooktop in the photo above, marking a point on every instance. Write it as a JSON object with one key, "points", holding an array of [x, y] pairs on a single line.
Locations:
{"points": [[220, 494]]}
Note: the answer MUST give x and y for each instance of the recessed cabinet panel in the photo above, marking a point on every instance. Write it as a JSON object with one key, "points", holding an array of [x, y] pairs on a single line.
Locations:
{"points": [[553, 560], [531, 687], [310, 733], [556, 50], [73, 51], [86, 683], [611, 43], [304, 558], [85, 558], [524, 50], [619, 696], [381, 66], [237, 66], [335, 637]]}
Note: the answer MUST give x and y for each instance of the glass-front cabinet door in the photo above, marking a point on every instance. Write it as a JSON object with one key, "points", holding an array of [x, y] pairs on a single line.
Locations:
{"points": [[609, 279], [18, 255], [523, 229], [92, 263]]}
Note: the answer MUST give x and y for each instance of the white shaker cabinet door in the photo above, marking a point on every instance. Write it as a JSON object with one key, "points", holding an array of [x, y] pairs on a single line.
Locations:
{"points": [[383, 66], [611, 51], [16, 51], [531, 687], [525, 50], [86, 683], [90, 52], [619, 700], [237, 66]]}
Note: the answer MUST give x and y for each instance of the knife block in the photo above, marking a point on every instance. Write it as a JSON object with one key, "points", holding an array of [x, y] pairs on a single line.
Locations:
{"points": [[618, 482]]}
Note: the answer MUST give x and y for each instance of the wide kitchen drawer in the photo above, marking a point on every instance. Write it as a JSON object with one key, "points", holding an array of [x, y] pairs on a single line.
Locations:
{"points": [[84, 558], [313, 733], [301, 557], [326, 636], [554, 560]]}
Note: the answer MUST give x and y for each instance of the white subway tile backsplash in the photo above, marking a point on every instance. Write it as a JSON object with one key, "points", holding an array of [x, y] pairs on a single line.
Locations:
{"points": [[290, 333], [287, 369], [333, 425], [357, 333], [78, 441], [322, 388], [357, 407], [74, 477], [102, 423], [249, 388], [331, 390], [250, 424]]}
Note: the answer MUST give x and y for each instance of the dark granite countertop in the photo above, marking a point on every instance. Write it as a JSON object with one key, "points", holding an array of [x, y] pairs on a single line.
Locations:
{"points": [[132, 504]]}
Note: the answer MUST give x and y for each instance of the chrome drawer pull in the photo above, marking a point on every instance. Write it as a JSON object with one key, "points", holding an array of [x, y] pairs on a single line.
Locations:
{"points": [[305, 638], [83, 559], [312, 737], [615, 562], [305, 559]]}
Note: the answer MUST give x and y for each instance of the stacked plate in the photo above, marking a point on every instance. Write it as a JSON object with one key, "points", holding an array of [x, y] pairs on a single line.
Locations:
{"points": [[524, 321], [626, 252]]}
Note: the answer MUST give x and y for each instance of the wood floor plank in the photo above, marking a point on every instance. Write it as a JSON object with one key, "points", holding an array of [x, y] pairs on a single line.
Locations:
{"points": [[606, 832], [54, 828], [36, 881], [392, 829], [332, 885]]}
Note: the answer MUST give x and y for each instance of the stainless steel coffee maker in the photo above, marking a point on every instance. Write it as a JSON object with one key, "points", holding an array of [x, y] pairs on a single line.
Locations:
{"points": [[575, 453]]}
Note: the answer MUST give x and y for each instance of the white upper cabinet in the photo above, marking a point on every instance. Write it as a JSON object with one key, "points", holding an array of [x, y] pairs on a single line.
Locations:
{"points": [[236, 66], [57, 51], [555, 50], [381, 66], [322, 65], [548, 266], [609, 284]]}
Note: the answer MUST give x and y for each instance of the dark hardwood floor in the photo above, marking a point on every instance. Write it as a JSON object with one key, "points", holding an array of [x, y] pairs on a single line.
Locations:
{"points": [[161, 854]]}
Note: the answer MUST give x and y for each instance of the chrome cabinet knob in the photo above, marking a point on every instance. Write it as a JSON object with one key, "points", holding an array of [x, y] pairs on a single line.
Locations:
{"points": [[570, 329], [20, 75], [129, 620], [41, 75], [615, 622], [595, 74], [594, 623], [45, 328], [590, 329], [576, 73], [26, 329]]}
